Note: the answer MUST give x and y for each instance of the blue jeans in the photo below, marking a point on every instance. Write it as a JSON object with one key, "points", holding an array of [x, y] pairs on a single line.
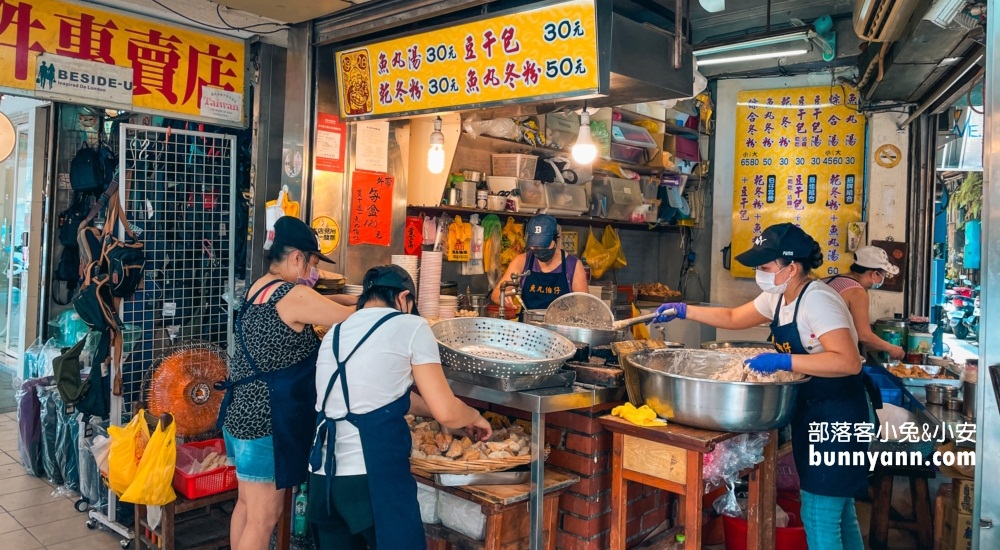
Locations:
{"points": [[253, 458], [830, 522]]}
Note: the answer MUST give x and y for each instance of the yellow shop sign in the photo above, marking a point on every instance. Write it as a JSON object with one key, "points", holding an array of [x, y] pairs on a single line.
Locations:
{"points": [[535, 54]]}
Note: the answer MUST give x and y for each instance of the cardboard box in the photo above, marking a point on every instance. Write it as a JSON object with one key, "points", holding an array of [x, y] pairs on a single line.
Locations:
{"points": [[957, 530], [963, 490], [941, 503]]}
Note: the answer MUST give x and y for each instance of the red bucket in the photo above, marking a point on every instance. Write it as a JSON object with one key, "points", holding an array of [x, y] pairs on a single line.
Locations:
{"points": [[792, 537]]}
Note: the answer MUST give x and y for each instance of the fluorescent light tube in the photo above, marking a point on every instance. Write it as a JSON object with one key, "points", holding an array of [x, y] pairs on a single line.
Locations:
{"points": [[804, 34], [750, 57]]}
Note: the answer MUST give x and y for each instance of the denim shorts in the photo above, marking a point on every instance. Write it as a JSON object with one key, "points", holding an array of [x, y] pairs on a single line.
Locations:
{"points": [[254, 458]]}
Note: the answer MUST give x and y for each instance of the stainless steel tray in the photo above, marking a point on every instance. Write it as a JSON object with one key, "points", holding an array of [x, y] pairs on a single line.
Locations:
{"points": [[495, 347], [513, 383], [510, 477]]}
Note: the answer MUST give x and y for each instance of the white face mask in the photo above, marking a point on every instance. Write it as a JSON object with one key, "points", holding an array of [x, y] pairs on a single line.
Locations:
{"points": [[765, 281]]}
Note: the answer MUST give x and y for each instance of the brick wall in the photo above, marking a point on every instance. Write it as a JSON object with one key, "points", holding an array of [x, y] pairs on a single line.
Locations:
{"points": [[581, 446]]}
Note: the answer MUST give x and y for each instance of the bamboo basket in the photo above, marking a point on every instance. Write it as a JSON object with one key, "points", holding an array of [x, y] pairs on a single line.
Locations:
{"points": [[483, 466]]}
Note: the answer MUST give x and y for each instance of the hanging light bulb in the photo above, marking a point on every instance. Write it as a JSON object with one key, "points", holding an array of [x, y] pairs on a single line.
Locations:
{"points": [[584, 151], [435, 155]]}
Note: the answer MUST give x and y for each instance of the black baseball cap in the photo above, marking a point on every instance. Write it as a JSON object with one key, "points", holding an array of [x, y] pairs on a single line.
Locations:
{"points": [[391, 276], [783, 240], [293, 232]]}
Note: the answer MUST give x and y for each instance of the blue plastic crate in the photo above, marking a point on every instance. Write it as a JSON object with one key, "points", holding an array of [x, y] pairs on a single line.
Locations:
{"points": [[892, 388]]}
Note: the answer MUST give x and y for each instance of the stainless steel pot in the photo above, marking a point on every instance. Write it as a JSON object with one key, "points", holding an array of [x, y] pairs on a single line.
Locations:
{"points": [[694, 400], [969, 399], [936, 394], [724, 344]]}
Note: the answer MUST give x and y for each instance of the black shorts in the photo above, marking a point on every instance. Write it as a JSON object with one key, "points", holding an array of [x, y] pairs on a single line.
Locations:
{"points": [[342, 518]]}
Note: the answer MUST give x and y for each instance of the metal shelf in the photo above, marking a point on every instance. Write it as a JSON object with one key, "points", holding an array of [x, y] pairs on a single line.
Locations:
{"points": [[568, 220]]}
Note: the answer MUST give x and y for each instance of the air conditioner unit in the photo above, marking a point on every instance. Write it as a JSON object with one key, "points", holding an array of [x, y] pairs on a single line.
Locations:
{"points": [[884, 20]]}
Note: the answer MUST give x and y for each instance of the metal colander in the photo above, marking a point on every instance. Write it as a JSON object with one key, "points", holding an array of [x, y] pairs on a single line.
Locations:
{"points": [[579, 309], [495, 347]]}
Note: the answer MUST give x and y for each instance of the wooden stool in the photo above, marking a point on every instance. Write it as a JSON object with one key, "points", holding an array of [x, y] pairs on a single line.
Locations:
{"points": [[506, 511], [885, 518]]}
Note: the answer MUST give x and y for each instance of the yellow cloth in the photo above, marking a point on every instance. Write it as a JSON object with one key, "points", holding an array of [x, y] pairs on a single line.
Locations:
{"points": [[643, 416], [640, 331]]}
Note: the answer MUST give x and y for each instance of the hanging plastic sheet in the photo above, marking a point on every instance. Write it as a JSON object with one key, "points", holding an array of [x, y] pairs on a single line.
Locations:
{"points": [[29, 424], [95, 442], [49, 416], [68, 444]]}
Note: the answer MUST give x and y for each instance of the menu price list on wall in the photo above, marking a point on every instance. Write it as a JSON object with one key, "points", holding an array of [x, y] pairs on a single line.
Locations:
{"points": [[800, 156], [542, 52]]}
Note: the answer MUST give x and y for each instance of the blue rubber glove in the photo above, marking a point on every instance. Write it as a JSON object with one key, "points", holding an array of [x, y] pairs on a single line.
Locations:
{"points": [[663, 317], [769, 363]]}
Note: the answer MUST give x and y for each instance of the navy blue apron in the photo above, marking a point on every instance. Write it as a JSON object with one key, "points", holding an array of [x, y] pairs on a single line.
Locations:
{"points": [[292, 396], [385, 444], [540, 289], [823, 401]]}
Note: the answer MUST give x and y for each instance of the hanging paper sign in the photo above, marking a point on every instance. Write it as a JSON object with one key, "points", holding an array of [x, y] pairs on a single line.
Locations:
{"points": [[371, 208], [413, 235], [545, 52], [107, 56], [330, 143], [328, 231], [800, 158]]}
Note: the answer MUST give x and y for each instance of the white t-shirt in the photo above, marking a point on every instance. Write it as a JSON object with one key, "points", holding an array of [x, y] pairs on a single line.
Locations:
{"points": [[822, 311], [379, 373]]}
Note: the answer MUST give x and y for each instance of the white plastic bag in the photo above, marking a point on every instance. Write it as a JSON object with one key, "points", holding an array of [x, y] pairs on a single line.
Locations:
{"points": [[272, 213], [461, 515], [427, 498], [475, 264]]}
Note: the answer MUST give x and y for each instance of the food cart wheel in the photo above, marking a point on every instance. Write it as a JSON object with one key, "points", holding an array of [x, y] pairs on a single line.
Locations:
{"points": [[82, 505], [125, 543], [91, 524]]}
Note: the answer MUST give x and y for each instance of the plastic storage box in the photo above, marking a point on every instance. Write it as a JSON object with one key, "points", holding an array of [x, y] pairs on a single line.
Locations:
{"points": [[631, 144], [515, 165], [533, 196], [566, 200], [501, 183], [616, 198]]}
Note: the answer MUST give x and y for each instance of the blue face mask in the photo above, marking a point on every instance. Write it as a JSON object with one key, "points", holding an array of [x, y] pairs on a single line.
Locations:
{"points": [[878, 285]]}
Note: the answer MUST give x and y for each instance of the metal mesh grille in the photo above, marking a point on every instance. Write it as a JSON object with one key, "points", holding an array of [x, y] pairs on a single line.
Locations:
{"points": [[179, 199]]}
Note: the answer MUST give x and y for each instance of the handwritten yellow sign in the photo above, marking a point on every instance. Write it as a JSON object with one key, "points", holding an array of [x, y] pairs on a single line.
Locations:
{"points": [[800, 155], [543, 52], [172, 68]]}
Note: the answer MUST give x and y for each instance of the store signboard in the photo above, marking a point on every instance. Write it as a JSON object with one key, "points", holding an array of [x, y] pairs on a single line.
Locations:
{"points": [[544, 52], [800, 157], [171, 69]]}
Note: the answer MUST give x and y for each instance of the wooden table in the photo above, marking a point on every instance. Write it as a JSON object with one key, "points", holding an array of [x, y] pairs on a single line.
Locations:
{"points": [[670, 458], [506, 511]]}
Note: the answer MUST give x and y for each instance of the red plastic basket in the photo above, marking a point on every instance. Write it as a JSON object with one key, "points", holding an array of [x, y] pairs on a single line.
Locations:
{"points": [[206, 483]]}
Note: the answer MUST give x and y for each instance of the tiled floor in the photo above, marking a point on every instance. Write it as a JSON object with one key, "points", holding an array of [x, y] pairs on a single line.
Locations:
{"points": [[30, 517]]}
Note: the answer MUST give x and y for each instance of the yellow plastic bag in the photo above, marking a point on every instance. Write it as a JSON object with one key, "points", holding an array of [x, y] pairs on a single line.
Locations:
{"points": [[511, 242], [598, 257], [612, 241], [459, 241], [153, 483], [127, 445], [288, 206]]}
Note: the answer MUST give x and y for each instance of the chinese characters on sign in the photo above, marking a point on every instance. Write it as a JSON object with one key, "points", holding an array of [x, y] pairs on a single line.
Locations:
{"points": [[371, 208], [799, 158], [169, 67], [330, 143], [534, 53], [328, 231]]}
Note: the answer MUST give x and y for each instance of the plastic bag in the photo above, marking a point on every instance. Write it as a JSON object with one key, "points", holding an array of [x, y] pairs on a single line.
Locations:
{"points": [[492, 231], [459, 241], [282, 206], [475, 265], [612, 241], [153, 483], [512, 242], [127, 445], [192, 460], [427, 499], [29, 423], [91, 486], [727, 504], [504, 128], [597, 256], [50, 351], [49, 416], [33, 359], [461, 515], [67, 444]]}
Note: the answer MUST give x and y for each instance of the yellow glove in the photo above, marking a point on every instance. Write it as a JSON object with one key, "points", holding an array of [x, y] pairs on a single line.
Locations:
{"points": [[643, 416]]}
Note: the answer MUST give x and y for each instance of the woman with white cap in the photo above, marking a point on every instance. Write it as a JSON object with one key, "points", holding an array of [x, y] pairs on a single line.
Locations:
{"points": [[870, 269]]}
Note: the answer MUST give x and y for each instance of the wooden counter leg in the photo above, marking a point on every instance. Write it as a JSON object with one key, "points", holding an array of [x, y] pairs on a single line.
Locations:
{"points": [[619, 496], [761, 501], [285, 523], [692, 500], [494, 531], [551, 521]]}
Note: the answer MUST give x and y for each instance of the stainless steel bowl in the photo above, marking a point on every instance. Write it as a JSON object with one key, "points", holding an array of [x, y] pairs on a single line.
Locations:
{"points": [[694, 400], [725, 344]]}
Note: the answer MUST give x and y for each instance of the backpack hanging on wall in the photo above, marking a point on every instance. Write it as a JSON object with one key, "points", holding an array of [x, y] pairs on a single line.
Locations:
{"points": [[68, 228], [86, 170]]}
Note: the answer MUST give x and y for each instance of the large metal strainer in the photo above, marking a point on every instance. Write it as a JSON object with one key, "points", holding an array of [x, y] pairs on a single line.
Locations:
{"points": [[495, 347], [581, 310]]}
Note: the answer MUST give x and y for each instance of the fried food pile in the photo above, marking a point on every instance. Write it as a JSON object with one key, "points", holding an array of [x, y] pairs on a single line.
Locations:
{"points": [[430, 442], [736, 371], [913, 371], [657, 291]]}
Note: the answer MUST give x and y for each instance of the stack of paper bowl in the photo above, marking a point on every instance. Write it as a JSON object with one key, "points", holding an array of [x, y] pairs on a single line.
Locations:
{"points": [[409, 264], [448, 306], [353, 290], [429, 288]]}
